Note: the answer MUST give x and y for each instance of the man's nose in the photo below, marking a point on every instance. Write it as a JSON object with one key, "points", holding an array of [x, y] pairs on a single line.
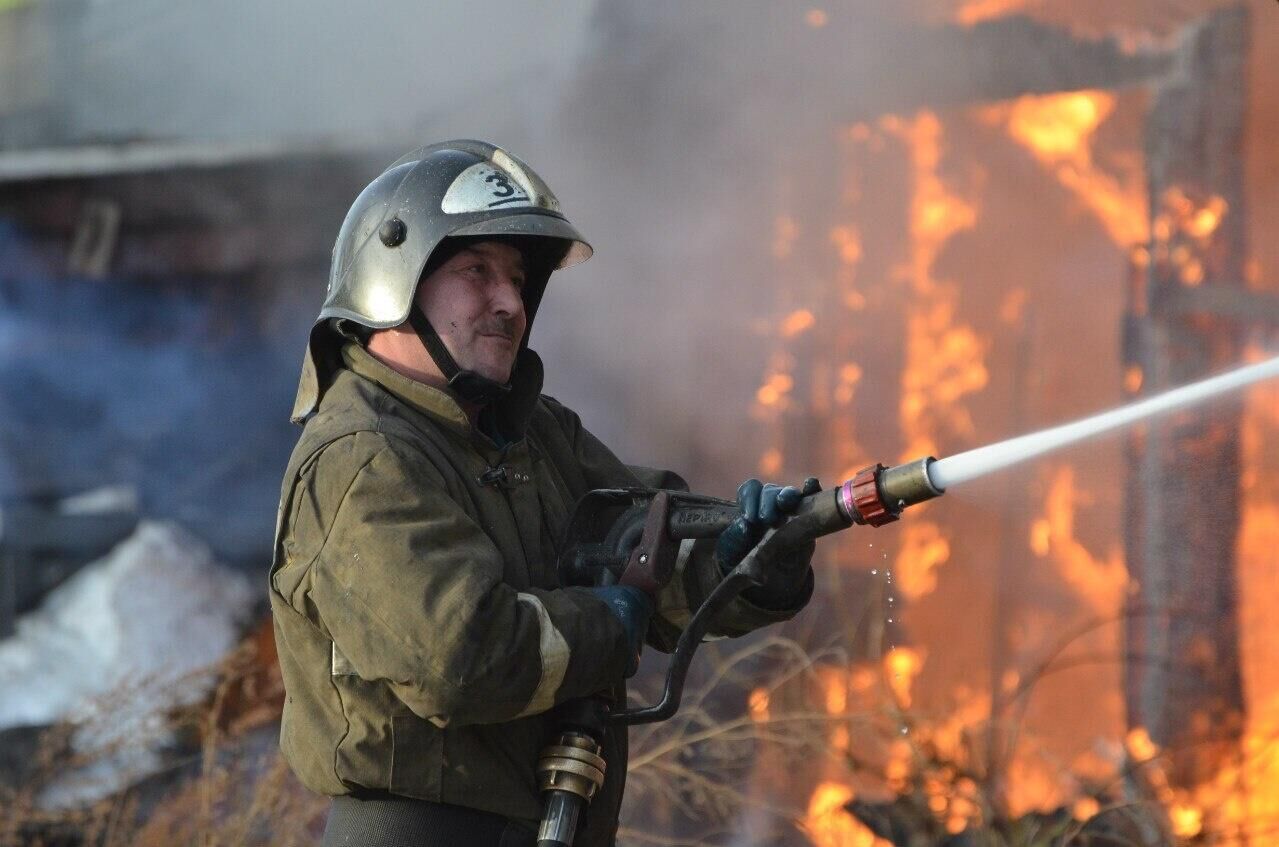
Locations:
{"points": [[507, 299]]}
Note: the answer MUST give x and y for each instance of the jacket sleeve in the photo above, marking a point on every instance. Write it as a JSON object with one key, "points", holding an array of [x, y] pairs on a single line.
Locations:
{"points": [[696, 574], [409, 588]]}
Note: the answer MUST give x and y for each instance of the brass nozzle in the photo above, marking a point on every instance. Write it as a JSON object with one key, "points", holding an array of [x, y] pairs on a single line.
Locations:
{"points": [[878, 495], [908, 484]]}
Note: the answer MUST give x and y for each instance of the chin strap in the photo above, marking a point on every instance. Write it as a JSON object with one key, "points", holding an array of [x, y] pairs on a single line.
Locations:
{"points": [[467, 385]]}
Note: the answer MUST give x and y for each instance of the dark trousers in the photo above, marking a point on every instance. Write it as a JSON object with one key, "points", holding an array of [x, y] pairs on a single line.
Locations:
{"points": [[385, 820]]}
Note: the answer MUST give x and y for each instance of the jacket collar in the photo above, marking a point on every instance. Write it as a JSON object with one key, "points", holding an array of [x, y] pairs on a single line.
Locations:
{"points": [[513, 410]]}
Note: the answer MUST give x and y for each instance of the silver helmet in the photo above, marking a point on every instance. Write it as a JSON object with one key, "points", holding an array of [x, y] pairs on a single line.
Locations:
{"points": [[453, 189]]}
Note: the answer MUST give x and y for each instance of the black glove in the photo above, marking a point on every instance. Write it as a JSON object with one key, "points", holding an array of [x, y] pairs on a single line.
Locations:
{"points": [[633, 608], [790, 582]]}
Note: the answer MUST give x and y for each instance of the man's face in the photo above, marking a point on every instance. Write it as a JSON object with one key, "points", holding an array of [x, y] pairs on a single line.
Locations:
{"points": [[473, 301]]}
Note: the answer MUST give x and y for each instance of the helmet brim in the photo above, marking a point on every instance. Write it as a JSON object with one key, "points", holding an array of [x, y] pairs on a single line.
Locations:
{"points": [[537, 226]]}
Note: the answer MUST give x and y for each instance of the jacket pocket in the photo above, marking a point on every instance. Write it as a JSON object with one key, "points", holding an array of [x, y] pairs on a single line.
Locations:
{"points": [[417, 757]]}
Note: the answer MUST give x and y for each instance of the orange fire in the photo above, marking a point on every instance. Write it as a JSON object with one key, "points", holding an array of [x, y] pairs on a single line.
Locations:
{"points": [[901, 666], [774, 390], [1058, 130], [1183, 230], [944, 359], [1101, 582], [770, 463], [923, 549], [828, 824], [1259, 633], [757, 704], [1139, 745], [797, 322], [975, 11]]}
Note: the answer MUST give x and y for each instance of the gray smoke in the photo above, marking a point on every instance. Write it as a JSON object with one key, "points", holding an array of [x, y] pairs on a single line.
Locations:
{"points": [[109, 383]]}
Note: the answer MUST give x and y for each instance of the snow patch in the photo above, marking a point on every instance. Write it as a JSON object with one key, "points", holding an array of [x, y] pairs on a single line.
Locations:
{"points": [[157, 607], [116, 646]]}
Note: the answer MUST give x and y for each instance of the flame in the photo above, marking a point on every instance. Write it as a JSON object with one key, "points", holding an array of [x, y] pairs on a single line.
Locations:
{"points": [[1139, 744], [828, 824], [848, 242], [1184, 228], [774, 389], [1084, 808], [1101, 582], [1033, 786], [770, 464], [834, 682], [1058, 130], [943, 358], [816, 18], [976, 11], [1258, 569], [797, 322], [901, 666], [757, 703], [1187, 820], [1133, 378], [849, 375], [899, 765], [1181, 213], [923, 549]]}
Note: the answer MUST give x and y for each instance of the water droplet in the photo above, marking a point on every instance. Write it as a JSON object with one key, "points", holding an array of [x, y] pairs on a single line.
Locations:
{"points": [[873, 571], [890, 599], [890, 620], [905, 731]]}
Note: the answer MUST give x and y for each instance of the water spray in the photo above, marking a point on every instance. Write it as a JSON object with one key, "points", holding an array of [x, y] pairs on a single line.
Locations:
{"points": [[984, 460], [878, 495]]}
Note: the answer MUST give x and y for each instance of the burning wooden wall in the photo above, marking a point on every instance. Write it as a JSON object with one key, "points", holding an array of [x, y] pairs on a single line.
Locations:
{"points": [[954, 273]]}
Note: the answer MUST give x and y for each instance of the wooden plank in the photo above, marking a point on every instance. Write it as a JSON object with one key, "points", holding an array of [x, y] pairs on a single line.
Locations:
{"points": [[1230, 301], [1183, 488]]}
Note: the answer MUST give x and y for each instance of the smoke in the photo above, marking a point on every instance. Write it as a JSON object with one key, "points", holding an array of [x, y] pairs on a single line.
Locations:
{"points": [[300, 69], [104, 382]]}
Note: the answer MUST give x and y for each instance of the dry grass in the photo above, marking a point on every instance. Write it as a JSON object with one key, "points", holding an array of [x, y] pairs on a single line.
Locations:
{"points": [[224, 784], [739, 761]]}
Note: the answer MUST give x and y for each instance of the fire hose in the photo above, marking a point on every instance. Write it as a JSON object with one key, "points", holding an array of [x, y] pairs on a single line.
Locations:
{"points": [[632, 537]]}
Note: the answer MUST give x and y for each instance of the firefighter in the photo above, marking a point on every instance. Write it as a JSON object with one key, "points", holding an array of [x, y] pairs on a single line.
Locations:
{"points": [[422, 632]]}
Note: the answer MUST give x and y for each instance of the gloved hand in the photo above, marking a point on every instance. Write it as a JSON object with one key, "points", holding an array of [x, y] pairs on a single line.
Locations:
{"points": [[633, 608], [766, 506]]}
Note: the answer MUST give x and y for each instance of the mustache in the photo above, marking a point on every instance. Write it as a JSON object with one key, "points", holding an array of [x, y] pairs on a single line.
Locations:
{"points": [[497, 326]]}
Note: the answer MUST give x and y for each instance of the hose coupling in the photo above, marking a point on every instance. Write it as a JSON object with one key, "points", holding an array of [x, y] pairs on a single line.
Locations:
{"points": [[573, 764]]}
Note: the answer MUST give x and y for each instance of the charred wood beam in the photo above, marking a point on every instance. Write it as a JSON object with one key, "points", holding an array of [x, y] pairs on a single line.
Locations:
{"points": [[1228, 301], [1183, 488], [180, 253]]}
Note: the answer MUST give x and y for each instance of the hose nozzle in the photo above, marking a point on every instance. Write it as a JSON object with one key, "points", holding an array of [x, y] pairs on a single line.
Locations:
{"points": [[878, 494]]}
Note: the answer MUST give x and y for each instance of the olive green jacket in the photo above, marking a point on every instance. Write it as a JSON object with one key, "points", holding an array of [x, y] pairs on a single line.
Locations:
{"points": [[421, 629]]}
